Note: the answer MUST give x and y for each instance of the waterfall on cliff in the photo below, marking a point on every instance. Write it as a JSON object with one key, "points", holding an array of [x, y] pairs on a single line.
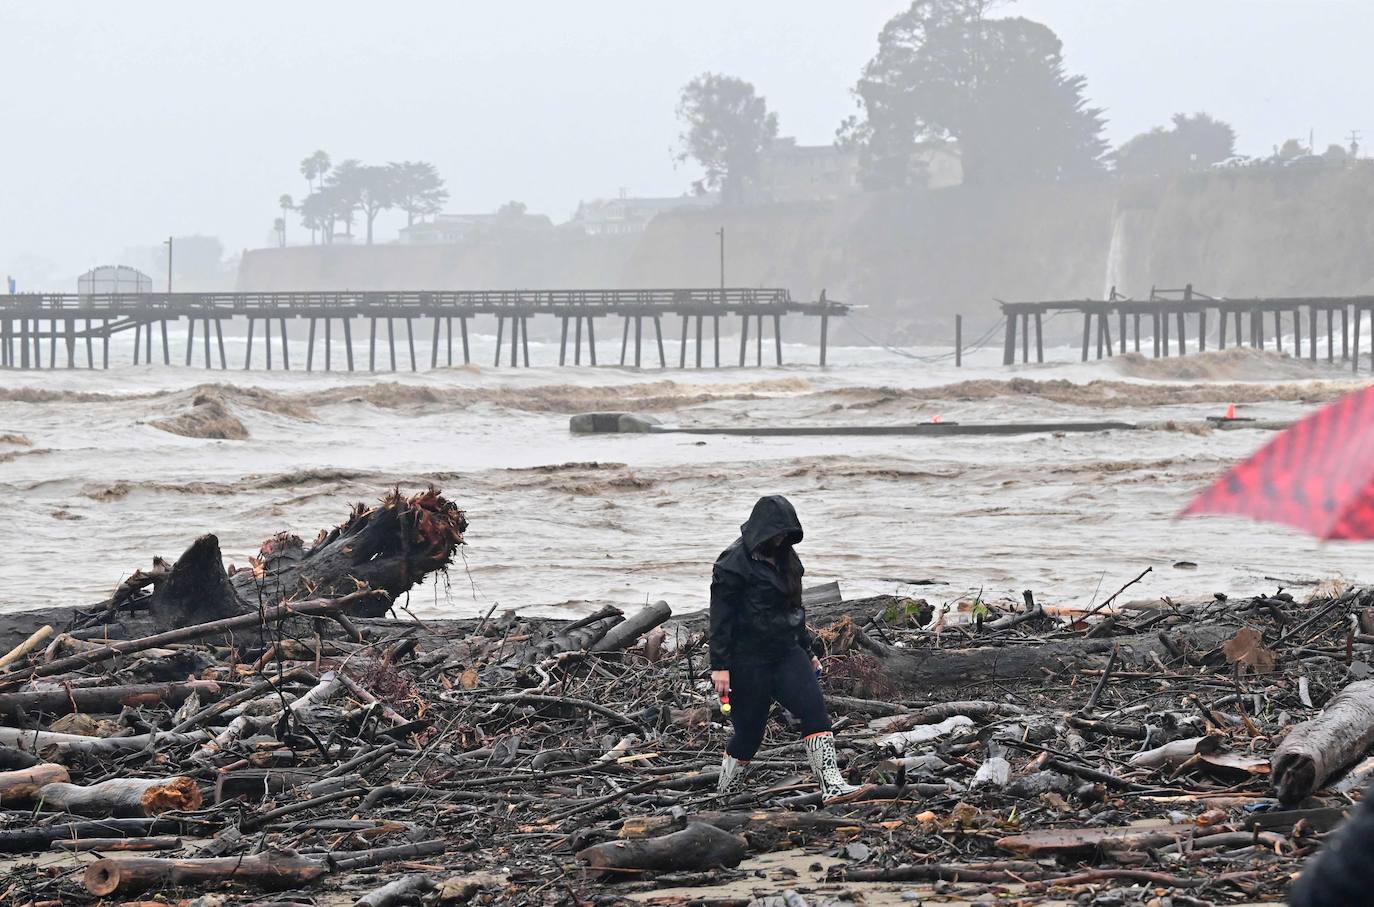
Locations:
{"points": [[1116, 253]]}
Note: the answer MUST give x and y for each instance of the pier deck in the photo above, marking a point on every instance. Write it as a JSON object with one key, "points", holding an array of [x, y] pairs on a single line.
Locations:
{"points": [[72, 323], [1194, 320]]}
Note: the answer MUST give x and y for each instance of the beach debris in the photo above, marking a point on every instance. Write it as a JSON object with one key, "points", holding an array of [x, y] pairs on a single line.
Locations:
{"points": [[306, 747], [1247, 651], [905, 741], [696, 847], [1317, 749]]}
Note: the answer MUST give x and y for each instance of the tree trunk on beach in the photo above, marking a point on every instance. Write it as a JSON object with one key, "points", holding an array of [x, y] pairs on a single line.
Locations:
{"points": [[391, 547], [919, 670]]}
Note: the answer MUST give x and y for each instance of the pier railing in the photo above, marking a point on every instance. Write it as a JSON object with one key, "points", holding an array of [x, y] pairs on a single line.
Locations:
{"points": [[1181, 321], [26, 320]]}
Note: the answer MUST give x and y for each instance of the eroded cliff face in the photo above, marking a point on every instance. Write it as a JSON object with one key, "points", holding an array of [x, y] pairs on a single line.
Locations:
{"points": [[914, 259], [1258, 232]]}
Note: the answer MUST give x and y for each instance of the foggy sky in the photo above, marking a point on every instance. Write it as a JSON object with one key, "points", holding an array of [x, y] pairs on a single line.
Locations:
{"points": [[126, 122]]}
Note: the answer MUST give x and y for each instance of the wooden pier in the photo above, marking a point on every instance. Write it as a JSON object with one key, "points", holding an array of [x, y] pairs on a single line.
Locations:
{"points": [[70, 325], [1182, 321]]}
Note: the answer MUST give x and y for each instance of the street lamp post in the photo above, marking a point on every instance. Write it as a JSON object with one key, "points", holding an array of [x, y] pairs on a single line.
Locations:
{"points": [[721, 234]]}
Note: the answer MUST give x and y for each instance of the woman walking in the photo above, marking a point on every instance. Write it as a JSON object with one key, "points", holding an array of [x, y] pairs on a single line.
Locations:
{"points": [[761, 649]]}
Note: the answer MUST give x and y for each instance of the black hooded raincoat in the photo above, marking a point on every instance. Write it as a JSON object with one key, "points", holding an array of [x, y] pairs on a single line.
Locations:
{"points": [[756, 609]]}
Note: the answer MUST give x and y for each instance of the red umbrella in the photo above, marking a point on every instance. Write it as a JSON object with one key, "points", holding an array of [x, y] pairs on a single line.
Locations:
{"points": [[1317, 475]]}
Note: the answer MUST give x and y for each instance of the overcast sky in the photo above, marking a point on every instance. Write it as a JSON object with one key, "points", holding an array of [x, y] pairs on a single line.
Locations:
{"points": [[126, 122]]}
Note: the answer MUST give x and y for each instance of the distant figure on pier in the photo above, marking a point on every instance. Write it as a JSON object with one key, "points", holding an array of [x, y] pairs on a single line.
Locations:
{"points": [[761, 648]]}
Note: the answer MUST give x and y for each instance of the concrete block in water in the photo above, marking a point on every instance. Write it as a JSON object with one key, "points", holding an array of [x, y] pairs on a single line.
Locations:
{"points": [[610, 423]]}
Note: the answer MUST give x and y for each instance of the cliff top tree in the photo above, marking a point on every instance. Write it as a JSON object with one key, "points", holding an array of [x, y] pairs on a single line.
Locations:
{"points": [[726, 128], [944, 71], [1292, 148], [1194, 142], [369, 187], [418, 189], [317, 214], [342, 191]]}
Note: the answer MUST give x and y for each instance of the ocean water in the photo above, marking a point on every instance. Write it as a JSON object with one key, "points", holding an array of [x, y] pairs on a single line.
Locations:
{"points": [[95, 487]]}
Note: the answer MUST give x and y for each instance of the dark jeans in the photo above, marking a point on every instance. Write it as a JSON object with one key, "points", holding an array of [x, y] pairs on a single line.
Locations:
{"points": [[756, 685]]}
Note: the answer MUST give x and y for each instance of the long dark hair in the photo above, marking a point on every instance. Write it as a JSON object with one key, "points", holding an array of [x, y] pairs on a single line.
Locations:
{"points": [[791, 567]]}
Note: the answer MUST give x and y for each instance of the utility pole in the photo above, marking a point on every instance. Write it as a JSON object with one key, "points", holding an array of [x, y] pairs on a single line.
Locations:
{"points": [[1354, 138], [169, 265], [721, 234]]}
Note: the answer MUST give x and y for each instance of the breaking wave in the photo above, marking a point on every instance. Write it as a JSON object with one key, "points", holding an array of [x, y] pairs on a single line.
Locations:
{"points": [[549, 398], [1235, 364], [208, 417], [1101, 393]]}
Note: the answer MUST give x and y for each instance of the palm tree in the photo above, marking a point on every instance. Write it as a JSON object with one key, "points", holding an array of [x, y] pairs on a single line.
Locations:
{"points": [[286, 204], [314, 168], [279, 227]]}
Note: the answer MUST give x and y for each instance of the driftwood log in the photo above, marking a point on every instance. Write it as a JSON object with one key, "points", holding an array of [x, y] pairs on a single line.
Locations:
{"points": [[698, 846], [314, 608], [36, 639], [390, 547], [124, 797], [103, 700], [926, 669], [1176, 752], [578, 636], [624, 634], [22, 785], [56, 745], [1086, 841], [746, 823], [196, 589], [40, 837], [161, 842], [1317, 749], [12, 758], [403, 889], [273, 871]]}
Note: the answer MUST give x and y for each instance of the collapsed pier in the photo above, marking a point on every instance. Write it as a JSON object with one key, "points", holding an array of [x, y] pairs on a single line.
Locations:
{"points": [[1180, 321]]}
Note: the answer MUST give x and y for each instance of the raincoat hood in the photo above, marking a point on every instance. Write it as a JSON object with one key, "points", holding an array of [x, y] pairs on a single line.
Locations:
{"points": [[773, 515]]}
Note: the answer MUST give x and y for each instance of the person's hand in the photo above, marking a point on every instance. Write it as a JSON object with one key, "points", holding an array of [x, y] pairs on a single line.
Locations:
{"points": [[721, 681], [815, 664]]}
